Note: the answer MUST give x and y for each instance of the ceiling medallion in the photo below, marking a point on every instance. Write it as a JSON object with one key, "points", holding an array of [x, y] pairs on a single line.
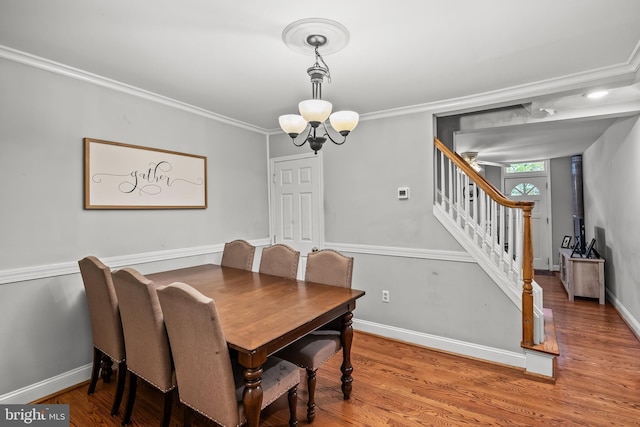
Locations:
{"points": [[295, 35]]}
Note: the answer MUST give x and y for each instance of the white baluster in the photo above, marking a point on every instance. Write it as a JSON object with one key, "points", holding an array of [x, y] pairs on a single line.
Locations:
{"points": [[510, 240], [495, 230], [442, 181]]}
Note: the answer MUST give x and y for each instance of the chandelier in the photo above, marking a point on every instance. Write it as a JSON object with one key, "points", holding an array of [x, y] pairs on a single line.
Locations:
{"points": [[315, 111]]}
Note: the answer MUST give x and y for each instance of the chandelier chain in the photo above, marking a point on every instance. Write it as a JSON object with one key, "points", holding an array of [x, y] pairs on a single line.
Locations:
{"points": [[324, 65]]}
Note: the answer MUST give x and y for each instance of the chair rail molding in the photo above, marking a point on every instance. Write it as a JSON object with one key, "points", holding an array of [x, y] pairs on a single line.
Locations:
{"points": [[71, 267], [394, 251]]}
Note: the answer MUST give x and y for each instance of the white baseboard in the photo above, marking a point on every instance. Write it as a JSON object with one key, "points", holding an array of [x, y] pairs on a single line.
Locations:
{"points": [[52, 385], [449, 345], [631, 321], [47, 387]]}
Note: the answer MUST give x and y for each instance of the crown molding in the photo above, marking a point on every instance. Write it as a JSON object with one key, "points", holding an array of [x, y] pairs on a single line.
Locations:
{"points": [[634, 58], [623, 73], [85, 76], [626, 72], [613, 75]]}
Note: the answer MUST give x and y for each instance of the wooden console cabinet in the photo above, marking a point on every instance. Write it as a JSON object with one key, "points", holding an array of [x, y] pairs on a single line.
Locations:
{"points": [[582, 277]]}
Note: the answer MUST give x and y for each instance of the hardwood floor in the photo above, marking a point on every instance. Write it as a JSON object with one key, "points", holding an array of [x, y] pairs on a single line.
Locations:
{"points": [[397, 384]]}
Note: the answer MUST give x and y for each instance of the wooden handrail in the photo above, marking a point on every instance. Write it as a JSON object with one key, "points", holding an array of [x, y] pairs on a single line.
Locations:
{"points": [[481, 181], [527, 249]]}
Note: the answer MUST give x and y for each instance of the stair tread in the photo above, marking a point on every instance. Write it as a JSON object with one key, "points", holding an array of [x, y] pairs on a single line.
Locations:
{"points": [[550, 344]]}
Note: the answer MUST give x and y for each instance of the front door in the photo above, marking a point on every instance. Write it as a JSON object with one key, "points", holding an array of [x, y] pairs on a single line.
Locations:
{"points": [[534, 189], [297, 201]]}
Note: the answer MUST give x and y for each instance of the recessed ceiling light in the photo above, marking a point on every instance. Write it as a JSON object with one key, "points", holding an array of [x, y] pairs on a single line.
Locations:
{"points": [[597, 94]]}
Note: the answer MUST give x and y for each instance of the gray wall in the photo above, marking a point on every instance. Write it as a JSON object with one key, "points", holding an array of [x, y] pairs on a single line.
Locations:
{"points": [[493, 174], [611, 202], [561, 210], [43, 118], [449, 299]]}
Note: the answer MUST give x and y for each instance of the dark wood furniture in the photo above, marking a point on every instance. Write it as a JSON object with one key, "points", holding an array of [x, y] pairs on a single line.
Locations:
{"points": [[314, 349], [261, 313]]}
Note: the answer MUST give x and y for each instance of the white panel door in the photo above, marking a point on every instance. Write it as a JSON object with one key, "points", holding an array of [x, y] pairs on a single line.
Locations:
{"points": [[534, 189], [297, 202]]}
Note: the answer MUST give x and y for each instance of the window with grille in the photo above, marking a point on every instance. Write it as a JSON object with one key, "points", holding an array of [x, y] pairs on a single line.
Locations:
{"points": [[525, 189]]}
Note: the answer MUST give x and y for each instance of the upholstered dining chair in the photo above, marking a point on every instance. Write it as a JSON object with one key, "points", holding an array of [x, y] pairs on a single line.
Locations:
{"points": [[238, 254], [311, 351], [106, 326], [145, 336], [213, 384], [280, 260]]}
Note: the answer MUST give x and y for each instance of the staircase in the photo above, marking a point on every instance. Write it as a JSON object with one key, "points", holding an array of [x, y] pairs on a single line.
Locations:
{"points": [[496, 232]]}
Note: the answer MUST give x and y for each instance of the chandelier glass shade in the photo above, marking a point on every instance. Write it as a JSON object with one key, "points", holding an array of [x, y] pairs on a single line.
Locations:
{"points": [[314, 112], [344, 121]]}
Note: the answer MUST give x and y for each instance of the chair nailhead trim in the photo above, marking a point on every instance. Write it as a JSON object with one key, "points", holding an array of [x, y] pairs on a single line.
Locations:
{"points": [[110, 357], [332, 354], [264, 405], [152, 383]]}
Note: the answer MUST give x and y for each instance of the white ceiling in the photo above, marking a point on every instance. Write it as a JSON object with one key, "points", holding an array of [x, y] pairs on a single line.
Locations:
{"points": [[227, 57], [523, 132], [532, 141]]}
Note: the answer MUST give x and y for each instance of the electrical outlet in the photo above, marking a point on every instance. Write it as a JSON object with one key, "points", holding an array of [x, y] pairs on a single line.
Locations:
{"points": [[385, 296]]}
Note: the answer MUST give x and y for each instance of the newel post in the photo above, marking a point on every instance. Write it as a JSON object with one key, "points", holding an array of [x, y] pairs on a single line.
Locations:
{"points": [[527, 277]]}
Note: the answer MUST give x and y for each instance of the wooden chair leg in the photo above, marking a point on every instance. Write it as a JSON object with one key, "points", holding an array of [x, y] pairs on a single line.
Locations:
{"points": [[311, 387], [133, 385], [106, 368], [293, 402], [95, 371], [122, 377], [188, 415], [166, 416]]}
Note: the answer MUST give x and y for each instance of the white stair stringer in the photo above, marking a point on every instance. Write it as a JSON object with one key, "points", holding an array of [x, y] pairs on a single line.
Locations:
{"points": [[512, 288]]}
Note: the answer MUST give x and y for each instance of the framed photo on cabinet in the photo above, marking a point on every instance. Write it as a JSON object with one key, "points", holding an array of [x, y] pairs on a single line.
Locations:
{"points": [[566, 242]]}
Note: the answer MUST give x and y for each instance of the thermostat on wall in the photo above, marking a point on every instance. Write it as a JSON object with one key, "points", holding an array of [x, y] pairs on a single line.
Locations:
{"points": [[403, 193]]}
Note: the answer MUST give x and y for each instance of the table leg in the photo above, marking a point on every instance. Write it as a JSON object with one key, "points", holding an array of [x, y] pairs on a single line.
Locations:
{"points": [[346, 368], [252, 395]]}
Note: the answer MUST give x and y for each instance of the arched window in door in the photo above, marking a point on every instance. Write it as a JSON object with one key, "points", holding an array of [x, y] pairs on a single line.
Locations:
{"points": [[525, 189]]}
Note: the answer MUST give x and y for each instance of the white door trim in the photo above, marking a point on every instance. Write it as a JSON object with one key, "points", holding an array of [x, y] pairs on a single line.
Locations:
{"points": [[272, 192], [547, 175]]}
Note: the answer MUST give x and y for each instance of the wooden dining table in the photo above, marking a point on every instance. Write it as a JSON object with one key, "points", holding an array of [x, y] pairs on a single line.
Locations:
{"points": [[261, 313]]}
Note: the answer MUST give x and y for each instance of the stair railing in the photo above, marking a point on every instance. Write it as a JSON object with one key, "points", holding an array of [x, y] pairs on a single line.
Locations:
{"points": [[498, 228]]}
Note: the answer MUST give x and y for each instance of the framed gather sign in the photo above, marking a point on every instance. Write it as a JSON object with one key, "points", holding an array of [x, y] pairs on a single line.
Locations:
{"points": [[123, 176]]}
